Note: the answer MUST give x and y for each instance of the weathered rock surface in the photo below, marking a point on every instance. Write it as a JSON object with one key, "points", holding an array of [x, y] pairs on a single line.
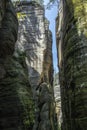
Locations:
{"points": [[35, 40], [72, 49], [32, 38], [57, 96], [16, 104], [19, 108], [8, 29]]}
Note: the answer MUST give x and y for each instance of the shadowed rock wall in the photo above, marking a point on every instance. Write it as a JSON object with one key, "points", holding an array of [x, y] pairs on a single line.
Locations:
{"points": [[16, 104], [72, 52], [35, 40], [8, 28]]}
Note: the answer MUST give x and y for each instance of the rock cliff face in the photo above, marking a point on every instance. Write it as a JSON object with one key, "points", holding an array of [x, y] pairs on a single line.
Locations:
{"points": [[16, 104], [72, 52], [35, 39], [8, 27], [57, 97], [26, 68]]}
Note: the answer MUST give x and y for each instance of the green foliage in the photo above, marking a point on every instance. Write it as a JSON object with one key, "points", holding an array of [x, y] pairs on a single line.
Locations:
{"points": [[16, 90]]}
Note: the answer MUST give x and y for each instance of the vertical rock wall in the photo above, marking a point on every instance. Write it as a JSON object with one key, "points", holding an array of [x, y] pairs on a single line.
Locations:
{"points": [[16, 104], [2, 10], [57, 97], [72, 52], [35, 40], [7, 16], [19, 109], [32, 39]]}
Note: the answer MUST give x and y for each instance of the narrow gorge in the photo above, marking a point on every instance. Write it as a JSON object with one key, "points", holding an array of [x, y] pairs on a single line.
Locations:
{"points": [[32, 97], [26, 67]]}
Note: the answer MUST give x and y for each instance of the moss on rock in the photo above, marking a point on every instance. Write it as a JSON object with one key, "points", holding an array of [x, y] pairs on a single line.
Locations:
{"points": [[16, 101]]}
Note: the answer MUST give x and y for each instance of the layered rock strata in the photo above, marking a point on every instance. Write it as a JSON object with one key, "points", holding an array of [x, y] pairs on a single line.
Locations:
{"points": [[16, 104], [72, 52], [57, 97], [35, 40], [19, 109]]}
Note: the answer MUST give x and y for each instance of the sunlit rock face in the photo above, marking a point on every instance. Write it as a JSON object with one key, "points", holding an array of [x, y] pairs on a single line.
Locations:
{"points": [[72, 51], [57, 96], [48, 59], [32, 38], [35, 39]]}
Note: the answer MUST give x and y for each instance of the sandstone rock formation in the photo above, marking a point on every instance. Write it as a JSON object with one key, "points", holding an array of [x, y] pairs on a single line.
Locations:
{"points": [[57, 96], [16, 104], [35, 39], [8, 29], [72, 52], [26, 68]]}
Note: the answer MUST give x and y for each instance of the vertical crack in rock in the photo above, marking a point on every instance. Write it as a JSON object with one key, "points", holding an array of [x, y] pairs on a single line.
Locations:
{"points": [[72, 52]]}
